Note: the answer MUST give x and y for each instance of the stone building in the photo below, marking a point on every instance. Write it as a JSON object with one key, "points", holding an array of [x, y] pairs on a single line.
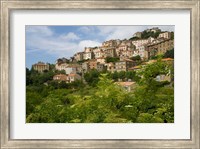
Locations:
{"points": [[110, 67], [110, 43], [159, 48], [101, 67], [124, 65], [98, 52], [40, 66], [73, 77], [60, 77], [61, 66], [92, 64], [79, 56], [109, 52], [128, 86], [166, 35], [85, 67]]}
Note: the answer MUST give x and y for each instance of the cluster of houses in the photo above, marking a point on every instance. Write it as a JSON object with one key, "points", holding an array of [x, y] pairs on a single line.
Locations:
{"points": [[124, 50]]}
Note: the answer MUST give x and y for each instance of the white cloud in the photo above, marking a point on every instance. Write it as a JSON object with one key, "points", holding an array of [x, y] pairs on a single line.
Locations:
{"points": [[70, 36], [60, 46], [118, 32], [88, 43], [87, 29], [122, 32], [42, 30], [42, 38]]}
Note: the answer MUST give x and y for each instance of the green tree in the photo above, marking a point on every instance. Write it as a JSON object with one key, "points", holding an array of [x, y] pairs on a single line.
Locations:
{"points": [[136, 58], [115, 76], [122, 75], [32, 100], [63, 84], [131, 75], [134, 38], [92, 77], [172, 35], [169, 54], [112, 59], [152, 97]]}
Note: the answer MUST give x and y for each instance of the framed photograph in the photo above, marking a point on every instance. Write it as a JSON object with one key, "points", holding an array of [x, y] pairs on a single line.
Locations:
{"points": [[100, 74]]}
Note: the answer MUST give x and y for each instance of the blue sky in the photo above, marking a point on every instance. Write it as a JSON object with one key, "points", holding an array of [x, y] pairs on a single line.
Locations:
{"points": [[48, 43]]}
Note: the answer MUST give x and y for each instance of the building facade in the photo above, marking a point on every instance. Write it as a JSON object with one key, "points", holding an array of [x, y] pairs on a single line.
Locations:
{"points": [[101, 67], [73, 77], [40, 67], [166, 35], [79, 56], [160, 48], [109, 52], [110, 67], [98, 52], [92, 64], [85, 67], [88, 55], [110, 43], [138, 43], [60, 77], [124, 65], [61, 66]]}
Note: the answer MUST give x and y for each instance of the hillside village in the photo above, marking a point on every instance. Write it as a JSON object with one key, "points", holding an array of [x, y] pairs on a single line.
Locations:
{"points": [[114, 55], [121, 81]]}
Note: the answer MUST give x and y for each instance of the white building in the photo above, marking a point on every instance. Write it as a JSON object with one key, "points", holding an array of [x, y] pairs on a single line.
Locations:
{"points": [[98, 52], [142, 52], [61, 66], [71, 69], [138, 43], [88, 55], [73, 77]]}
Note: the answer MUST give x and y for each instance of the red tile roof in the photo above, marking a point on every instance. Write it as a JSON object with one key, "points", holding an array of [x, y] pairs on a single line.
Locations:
{"points": [[125, 83], [167, 59], [72, 75]]}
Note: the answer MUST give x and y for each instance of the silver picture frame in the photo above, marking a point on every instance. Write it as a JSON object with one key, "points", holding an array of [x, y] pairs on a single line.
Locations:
{"points": [[7, 6]]}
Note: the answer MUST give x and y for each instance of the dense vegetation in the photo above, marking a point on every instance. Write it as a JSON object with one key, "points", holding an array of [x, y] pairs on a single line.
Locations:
{"points": [[168, 54], [146, 34], [98, 99]]}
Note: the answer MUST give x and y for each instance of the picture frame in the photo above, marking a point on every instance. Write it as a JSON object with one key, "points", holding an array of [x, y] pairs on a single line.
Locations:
{"points": [[8, 6]]}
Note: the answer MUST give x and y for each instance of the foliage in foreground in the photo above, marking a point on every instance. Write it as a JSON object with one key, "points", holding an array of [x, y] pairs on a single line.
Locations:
{"points": [[106, 102]]}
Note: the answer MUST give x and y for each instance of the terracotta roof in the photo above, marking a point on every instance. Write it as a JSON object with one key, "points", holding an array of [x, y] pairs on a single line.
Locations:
{"points": [[62, 77], [135, 67], [72, 74], [167, 59], [164, 59], [151, 61], [125, 83]]}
